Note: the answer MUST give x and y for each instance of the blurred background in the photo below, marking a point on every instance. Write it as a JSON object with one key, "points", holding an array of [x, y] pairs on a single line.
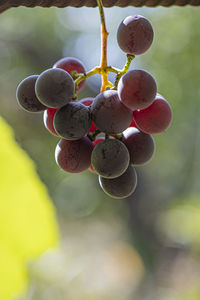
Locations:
{"points": [[144, 247]]}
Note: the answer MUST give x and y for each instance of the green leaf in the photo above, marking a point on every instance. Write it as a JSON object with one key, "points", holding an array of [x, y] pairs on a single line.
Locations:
{"points": [[27, 219]]}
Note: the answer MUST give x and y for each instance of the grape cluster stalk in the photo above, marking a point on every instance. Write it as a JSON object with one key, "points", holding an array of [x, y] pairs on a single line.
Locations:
{"points": [[110, 134]]}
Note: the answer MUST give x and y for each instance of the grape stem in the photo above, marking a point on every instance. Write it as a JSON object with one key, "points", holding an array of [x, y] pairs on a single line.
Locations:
{"points": [[129, 59], [104, 37], [92, 135]]}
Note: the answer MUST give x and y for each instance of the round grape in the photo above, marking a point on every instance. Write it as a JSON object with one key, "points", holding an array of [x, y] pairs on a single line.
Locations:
{"points": [[140, 145], [72, 64], [155, 118], [96, 142], [72, 121], [135, 35], [26, 96], [88, 102], [137, 89], [48, 118], [54, 88], [122, 186], [109, 114], [110, 158], [74, 156]]}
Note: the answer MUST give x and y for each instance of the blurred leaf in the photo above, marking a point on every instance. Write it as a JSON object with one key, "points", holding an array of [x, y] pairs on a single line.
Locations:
{"points": [[27, 220]]}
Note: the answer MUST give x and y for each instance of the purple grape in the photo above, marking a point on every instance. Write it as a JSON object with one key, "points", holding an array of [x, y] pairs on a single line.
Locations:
{"points": [[70, 64], [140, 145], [109, 114], [74, 156], [26, 96], [72, 121], [110, 158], [137, 89], [135, 35], [122, 186], [54, 88]]}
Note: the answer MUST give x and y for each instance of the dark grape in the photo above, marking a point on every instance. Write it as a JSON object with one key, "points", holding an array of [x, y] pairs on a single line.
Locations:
{"points": [[72, 121], [26, 96], [54, 88], [155, 118], [109, 114], [74, 156], [88, 102], [96, 142], [135, 35], [48, 118], [110, 158], [140, 145], [137, 89], [72, 64], [122, 186]]}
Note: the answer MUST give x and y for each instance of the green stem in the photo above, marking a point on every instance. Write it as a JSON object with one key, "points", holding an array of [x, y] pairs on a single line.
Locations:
{"points": [[129, 59], [92, 135]]}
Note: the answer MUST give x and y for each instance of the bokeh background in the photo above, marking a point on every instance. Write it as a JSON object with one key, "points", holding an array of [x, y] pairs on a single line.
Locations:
{"points": [[92, 247]]}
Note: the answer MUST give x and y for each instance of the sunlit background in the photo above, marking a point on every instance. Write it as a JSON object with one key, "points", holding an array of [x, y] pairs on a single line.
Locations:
{"points": [[77, 243]]}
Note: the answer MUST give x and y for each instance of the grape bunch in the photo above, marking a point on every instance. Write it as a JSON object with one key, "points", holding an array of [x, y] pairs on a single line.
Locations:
{"points": [[110, 134]]}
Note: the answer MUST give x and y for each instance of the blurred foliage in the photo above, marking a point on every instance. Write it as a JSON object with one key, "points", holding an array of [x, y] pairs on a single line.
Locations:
{"points": [[27, 220], [147, 246]]}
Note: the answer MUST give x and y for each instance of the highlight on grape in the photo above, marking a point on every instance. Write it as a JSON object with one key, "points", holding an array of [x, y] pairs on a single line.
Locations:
{"points": [[110, 134]]}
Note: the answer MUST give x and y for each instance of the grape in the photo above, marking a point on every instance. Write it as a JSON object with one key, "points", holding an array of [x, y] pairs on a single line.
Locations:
{"points": [[88, 102], [155, 118], [48, 118], [140, 145], [109, 114], [54, 88], [71, 64], [72, 121], [122, 186], [96, 142], [137, 89], [74, 156], [133, 124], [110, 158], [26, 96], [135, 35]]}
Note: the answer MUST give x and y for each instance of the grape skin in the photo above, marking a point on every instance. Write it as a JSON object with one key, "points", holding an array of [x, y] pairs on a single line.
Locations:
{"points": [[88, 102], [48, 118], [74, 156], [141, 146], [72, 121], [26, 96], [70, 64], [155, 118], [137, 89], [135, 35], [96, 142], [122, 186], [54, 88], [109, 114], [110, 158]]}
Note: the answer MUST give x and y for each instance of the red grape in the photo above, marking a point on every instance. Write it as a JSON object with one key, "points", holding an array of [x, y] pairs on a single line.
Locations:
{"points": [[109, 114], [140, 145], [48, 118], [54, 88], [135, 35], [155, 118], [26, 96], [122, 186], [137, 89], [70, 64], [110, 158], [74, 156], [72, 121]]}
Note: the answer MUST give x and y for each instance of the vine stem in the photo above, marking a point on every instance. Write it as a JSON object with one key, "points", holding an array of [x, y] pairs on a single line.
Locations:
{"points": [[104, 37]]}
